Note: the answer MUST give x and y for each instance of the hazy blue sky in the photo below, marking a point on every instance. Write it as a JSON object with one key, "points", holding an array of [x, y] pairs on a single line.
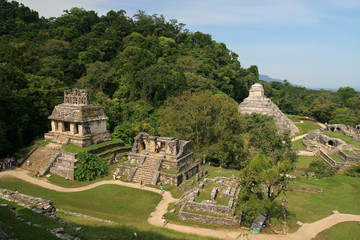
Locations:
{"points": [[314, 43]]}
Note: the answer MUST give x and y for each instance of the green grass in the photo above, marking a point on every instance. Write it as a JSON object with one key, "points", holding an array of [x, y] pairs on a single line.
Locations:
{"points": [[306, 127], [340, 193], [128, 207], [221, 172], [75, 149], [16, 229], [343, 137], [298, 145], [304, 161], [347, 152], [337, 158], [297, 118], [346, 230]]}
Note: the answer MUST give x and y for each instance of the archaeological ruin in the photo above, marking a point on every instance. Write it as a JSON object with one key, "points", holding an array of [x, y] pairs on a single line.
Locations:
{"points": [[257, 102], [77, 121], [157, 159]]}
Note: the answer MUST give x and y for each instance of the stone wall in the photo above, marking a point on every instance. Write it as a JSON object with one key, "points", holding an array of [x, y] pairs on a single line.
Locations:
{"points": [[219, 221], [210, 208], [348, 159], [166, 178], [38, 205]]}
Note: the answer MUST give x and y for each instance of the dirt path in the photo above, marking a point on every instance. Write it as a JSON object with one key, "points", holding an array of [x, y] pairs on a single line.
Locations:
{"points": [[307, 231]]}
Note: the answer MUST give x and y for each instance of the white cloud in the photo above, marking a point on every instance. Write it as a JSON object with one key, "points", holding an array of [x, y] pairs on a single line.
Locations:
{"points": [[200, 12]]}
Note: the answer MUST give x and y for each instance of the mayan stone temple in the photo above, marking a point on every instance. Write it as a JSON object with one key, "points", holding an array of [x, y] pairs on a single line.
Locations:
{"points": [[257, 102], [77, 121], [157, 159]]}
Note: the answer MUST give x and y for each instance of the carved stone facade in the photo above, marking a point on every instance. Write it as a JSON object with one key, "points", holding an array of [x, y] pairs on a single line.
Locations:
{"points": [[257, 102], [153, 154], [77, 121]]}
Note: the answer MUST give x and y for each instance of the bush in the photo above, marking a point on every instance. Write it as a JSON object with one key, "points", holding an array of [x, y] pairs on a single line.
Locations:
{"points": [[321, 169], [353, 171], [89, 167]]}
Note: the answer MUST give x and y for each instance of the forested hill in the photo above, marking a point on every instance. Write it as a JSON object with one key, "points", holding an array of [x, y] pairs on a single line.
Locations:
{"points": [[132, 67]]}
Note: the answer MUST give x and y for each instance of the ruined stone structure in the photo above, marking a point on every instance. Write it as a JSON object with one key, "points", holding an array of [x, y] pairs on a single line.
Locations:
{"points": [[257, 102], [77, 121], [159, 159], [347, 130]]}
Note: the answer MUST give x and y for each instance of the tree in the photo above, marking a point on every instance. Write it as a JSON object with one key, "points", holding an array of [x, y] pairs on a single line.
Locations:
{"points": [[89, 166], [262, 182], [211, 122]]}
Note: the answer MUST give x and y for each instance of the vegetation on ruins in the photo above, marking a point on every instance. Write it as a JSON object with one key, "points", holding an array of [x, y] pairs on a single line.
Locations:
{"points": [[134, 67], [89, 167], [262, 182]]}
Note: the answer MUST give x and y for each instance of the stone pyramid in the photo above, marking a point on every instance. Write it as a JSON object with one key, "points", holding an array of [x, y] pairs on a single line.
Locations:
{"points": [[257, 102]]}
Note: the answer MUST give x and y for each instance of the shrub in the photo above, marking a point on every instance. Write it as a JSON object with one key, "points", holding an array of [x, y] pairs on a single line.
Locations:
{"points": [[353, 171], [321, 169], [89, 167]]}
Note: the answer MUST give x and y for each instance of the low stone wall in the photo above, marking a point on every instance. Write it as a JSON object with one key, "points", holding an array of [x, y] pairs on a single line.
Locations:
{"points": [[219, 221], [348, 158], [123, 170], [38, 205], [305, 189], [210, 208], [106, 147]]}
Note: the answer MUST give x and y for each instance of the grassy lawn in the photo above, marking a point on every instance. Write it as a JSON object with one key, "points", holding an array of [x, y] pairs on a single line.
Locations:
{"points": [[306, 127], [298, 145], [128, 207], [221, 172], [343, 137], [304, 161], [340, 193], [345, 230], [16, 229]]}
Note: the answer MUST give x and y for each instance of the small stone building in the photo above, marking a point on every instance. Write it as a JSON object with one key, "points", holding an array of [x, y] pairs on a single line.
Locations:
{"points": [[159, 159], [77, 121], [257, 102]]}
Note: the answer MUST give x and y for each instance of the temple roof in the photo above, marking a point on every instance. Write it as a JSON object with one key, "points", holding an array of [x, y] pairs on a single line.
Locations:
{"points": [[77, 113]]}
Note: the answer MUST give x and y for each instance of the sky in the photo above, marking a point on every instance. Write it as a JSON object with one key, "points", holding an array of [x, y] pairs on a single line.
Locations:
{"points": [[313, 43]]}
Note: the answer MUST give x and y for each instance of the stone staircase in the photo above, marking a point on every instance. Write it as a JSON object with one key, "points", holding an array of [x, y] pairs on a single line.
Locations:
{"points": [[65, 165], [38, 158], [148, 172]]}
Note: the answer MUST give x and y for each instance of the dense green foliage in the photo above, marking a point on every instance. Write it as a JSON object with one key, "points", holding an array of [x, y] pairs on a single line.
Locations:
{"points": [[353, 171], [137, 69], [262, 182], [321, 169], [89, 166]]}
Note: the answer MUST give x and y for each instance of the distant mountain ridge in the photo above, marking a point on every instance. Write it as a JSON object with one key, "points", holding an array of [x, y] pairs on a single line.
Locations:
{"points": [[266, 78]]}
